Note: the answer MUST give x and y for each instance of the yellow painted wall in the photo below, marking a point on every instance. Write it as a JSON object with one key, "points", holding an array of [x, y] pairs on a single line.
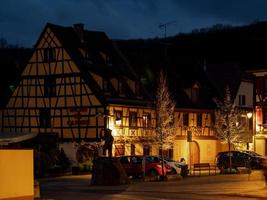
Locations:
{"points": [[260, 146], [208, 150], [181, 150], [16, 173]]}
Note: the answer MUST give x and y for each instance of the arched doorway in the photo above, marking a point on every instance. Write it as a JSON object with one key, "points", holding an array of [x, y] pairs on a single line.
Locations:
{"points": [[194, 153]]}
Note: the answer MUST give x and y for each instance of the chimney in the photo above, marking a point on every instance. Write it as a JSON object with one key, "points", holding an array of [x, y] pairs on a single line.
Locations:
{"points": [[79, 29]]}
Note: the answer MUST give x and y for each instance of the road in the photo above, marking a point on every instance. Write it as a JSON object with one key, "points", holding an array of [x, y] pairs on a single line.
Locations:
{"points": [[217, 187]]}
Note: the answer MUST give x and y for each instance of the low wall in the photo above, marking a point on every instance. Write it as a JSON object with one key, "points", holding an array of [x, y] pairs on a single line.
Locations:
{"points": [[16, 174]]}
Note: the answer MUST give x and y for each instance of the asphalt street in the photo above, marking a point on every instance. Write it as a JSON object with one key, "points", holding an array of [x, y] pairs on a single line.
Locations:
{"points": [[237, 186]]}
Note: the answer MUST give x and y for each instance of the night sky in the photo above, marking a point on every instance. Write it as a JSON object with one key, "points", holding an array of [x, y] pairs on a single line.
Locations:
{"points": [[22, 21]]}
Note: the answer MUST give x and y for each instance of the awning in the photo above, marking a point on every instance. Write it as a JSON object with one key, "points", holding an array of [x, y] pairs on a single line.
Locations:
{"points": [[13, 137]]}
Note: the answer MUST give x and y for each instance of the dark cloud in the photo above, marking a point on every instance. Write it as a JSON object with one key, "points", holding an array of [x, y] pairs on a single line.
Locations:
{"points": [[22, 21]]}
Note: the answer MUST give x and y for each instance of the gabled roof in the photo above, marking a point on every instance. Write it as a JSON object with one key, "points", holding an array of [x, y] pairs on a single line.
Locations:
{"points": [[95, 43]]}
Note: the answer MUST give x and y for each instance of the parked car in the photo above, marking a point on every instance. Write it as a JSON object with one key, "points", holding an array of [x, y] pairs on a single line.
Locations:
{"points": [[257, 159], [239, 159], [172, 166], [133, 166]]}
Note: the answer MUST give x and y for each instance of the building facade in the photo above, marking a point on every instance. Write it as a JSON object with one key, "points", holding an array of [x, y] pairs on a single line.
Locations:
{"points": [[78, 83]]}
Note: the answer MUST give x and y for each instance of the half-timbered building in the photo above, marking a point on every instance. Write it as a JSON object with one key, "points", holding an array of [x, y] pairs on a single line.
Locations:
{"points": [[78, 83]]}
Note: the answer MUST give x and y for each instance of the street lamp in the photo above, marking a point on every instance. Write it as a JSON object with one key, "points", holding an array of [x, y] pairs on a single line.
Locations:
{"points": [[249, 115]]}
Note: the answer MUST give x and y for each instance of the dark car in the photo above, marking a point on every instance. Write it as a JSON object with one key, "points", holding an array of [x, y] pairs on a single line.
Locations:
{"points": [[256, 159], [239, 159], [133, 165]]}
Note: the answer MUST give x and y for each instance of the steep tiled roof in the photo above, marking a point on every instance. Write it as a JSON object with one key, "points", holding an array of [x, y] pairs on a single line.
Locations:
{"points": [[95, 43]]}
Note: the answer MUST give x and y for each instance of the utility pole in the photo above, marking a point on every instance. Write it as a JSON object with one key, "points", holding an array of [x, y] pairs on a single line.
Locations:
{"points": [[165, 25]]}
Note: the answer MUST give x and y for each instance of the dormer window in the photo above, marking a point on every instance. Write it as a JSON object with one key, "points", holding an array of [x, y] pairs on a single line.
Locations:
{"points": [[195, 93], [106, 86], [87, 57], [49, 54], [106, 59], [121, 88]]}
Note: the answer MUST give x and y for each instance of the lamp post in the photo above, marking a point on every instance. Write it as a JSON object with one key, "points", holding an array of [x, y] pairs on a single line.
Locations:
{"points": [[249, 116]]}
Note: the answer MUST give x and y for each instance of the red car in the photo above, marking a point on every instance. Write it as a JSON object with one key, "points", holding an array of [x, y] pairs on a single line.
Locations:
{"points": [[133, 166]]}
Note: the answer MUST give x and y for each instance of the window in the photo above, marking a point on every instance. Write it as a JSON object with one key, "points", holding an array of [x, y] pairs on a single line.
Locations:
{"points": [[106, 86], [167, 153], [45, 118], [185, 119], [199, 119], [147, 120], [195, 95], [49, 86], [132, 149], [118, 118], [206, 120], [146, 150], [133, 119], [138, 91], [49, 54], [242, 100]]}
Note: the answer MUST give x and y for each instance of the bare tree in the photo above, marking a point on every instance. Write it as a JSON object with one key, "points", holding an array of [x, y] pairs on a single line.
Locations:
{"points": [[165, 116], [230, 127]]}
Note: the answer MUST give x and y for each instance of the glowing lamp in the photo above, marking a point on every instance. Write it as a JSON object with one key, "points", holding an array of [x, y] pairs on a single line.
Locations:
{"points": [[249, 115]]}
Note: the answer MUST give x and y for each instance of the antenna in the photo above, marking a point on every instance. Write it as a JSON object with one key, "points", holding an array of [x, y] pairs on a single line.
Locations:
{"points": [[164, 25]]}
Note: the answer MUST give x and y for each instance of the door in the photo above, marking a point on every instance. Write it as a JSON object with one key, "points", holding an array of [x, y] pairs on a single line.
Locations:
{"points": [[194, 153]]}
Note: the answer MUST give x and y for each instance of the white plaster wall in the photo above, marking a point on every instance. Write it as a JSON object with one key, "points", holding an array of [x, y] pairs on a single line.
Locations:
{"points": [[246, 88]]}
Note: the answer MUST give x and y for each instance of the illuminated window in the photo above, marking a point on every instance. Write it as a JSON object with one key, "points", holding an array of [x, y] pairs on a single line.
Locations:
{"points": [[49, 54], [45, 118], [147, 120], [118, 118], [133, 119], [199, 119]]}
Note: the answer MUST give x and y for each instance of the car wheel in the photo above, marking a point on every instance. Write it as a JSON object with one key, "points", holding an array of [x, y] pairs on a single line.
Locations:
{"points": [[153, 172]]}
